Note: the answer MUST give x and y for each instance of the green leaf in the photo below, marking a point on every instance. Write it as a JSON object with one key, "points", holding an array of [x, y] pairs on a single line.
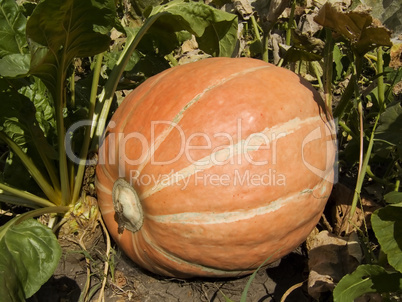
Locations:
{"points": [[393, 197], [141, 5], [387, 226], [294, 54], [65, 30], [390, 127], [215, 30], [337, 57], [366, 279], [36, 91], [30, 253], [78, 27], [14, 65], [12, 24], [18, 122], [18, 117]]}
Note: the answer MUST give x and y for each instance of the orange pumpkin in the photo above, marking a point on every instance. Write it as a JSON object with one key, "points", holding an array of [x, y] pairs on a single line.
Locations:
{"points": [[209, 168]]}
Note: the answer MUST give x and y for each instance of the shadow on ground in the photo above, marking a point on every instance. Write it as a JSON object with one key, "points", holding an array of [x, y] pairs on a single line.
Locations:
{"points": [[134, 284]]}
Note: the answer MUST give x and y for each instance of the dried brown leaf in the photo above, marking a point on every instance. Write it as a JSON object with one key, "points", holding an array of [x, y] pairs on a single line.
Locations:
{"points": [[357, 26], [396, 56], [330, 258], [341, 198]]}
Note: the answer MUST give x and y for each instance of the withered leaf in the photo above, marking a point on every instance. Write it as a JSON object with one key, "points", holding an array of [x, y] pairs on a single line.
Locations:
{"points": [[356, 26]]}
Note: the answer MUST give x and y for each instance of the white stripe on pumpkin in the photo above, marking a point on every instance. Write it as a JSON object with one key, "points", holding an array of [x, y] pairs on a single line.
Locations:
{"points": [[254, 142], [176, 120], [235, 216]]}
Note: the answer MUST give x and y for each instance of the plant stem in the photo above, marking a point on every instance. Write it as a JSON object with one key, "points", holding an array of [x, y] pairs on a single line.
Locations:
{"points": [[361, 128], [26, 197], [290, 22], [316, 72], [87, 137], [106, 97], [50, 167], [345, 99], [360, 177], [364, 163], [397, 184], [72, 105], [377, 179], [33, 170], [346, 128], [265, 48], [258, 37], [328, 69], [34, 213], [42, 211], [61, 133], [380, 79]]}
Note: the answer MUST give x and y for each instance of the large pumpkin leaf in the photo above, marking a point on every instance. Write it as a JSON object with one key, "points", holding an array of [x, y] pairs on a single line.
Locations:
{"points": [[65, 29], [14, 60], [36, 91], [215, 30], [367, 279], [387, 226], [30, 253], [12, 24], [18, 121]]}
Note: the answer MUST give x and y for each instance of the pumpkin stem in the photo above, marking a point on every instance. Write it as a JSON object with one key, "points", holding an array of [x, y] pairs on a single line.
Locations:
{"points": [[127, 206]]}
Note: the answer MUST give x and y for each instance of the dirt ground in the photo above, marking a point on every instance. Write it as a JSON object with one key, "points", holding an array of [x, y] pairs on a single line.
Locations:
{"points": [[134, 284]]}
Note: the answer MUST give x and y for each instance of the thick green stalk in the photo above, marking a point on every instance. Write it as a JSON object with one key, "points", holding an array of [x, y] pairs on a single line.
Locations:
{"points": [[61, 133], [33, 170], [106, 97], [22, 196], [380, 79], [363, 165], [397, 184], [361, 128], [42, 211], [362, 174], [316, 72], [265, 47], [290, 23], [87, 137], [71, 165], [49, 165]]}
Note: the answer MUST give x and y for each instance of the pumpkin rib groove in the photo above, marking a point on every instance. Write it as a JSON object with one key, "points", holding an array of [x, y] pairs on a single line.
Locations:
{"points": [[103, 188], [234, 216], [107, 173], [180, 261], [232, 150], [180, 115]]}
